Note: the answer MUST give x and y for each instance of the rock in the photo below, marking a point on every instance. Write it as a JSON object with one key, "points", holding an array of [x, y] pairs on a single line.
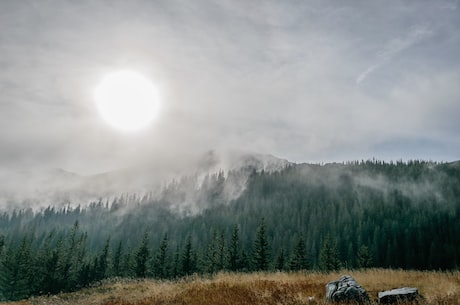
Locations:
{"points": [[405, 294], [346, 290]]}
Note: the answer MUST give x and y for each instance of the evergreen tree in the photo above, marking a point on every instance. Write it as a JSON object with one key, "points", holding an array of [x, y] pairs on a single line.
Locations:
{"points": [[328, 257], [234, 261], [15, 271], [176, 265], [117, 260], [215, 254], [261, 251], [364, 258], [101, 262], [161, 266], [211, 256], [127, 265], [142, 258], [188, 258], [50, 259], [221, 253], [71, 259], [299, 260]]}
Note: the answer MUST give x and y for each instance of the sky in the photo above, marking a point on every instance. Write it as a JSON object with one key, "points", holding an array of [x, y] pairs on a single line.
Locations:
{"points": [[307, 81]]}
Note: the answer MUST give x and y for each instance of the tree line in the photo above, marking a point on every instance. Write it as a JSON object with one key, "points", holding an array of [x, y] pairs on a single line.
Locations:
{"points": [[320, 217], [60, 262]]}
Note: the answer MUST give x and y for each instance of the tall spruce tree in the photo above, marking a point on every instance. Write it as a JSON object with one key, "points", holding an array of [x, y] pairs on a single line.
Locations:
{"points": [[328, 256], [234, 260], [161, 264], [261, 249], [188, 258], [101, 263], [142, 257], [117, 260], [299, 260], [49, 262]]}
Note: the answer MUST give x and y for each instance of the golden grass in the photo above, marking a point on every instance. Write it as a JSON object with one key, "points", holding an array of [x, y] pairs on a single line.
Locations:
{"points": [[438, 288]]}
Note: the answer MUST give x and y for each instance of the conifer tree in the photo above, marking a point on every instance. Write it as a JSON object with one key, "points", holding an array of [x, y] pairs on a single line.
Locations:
{"points": [[214, 258], [261, 251], [211, 256], [364, 258], [234, 261], [127, 263], [161, 268], [15, 271], [299, 260], [50, 258], [176, 267], [101, 263], [188, 258], [117, 260], [71, 259], [142, 258], [328, 256]]}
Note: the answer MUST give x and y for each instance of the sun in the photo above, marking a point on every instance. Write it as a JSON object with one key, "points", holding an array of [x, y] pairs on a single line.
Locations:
{"points": [[127, 100]]}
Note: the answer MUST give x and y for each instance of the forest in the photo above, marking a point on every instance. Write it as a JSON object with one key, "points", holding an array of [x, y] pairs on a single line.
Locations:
{"points": [[303, 217]]}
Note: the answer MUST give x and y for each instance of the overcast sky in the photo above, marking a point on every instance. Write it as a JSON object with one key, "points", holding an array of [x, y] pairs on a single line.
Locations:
{"points": [[308, 81]]}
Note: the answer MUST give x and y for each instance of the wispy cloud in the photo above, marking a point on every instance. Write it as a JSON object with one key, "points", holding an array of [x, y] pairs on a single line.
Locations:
{"points": [[415, 35]]}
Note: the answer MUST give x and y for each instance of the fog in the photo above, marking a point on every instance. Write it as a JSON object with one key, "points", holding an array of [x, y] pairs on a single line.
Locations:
{"points": [[305, 81]]}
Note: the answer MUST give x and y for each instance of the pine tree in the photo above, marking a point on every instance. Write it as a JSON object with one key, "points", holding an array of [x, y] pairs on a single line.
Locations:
{"points": [[142, 257], [215, 253], [117, 257], [161, 268], [234, 260], [299, 260], [15, 271], [50, 257], [101, 262], [127, 263], [176, 265], [211, 255], [71, 259], [364, 258], [221, 253], [188, 262], [261, 251], [328, 257]]}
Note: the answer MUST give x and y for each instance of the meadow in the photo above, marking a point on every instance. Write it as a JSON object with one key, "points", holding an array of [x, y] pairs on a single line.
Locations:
{"points": [[256, 289]]}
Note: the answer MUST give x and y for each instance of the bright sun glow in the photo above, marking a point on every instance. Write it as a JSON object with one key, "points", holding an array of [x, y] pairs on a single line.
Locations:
{"points": [[127, 100]]}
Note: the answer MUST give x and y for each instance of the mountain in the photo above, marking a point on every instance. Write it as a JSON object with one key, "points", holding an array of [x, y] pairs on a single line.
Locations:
{"points": [[59, 187]]}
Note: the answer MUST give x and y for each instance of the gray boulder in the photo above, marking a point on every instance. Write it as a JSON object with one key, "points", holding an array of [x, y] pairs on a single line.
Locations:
{"points": [[399, 295], [346, 290]]}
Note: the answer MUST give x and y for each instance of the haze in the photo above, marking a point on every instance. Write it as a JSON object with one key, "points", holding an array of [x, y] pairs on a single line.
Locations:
{"points": [[307, 81]]}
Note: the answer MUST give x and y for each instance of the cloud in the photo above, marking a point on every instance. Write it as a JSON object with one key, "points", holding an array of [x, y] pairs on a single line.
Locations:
{"points": [[415, 35], [265, 76]]}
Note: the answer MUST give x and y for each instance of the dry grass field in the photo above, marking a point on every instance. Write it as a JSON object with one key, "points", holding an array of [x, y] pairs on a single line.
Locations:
{"points": [[257, 288]]}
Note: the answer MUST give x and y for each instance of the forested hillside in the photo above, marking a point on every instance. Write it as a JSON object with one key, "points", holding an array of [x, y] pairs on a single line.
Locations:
{"points": [[323, 217]]}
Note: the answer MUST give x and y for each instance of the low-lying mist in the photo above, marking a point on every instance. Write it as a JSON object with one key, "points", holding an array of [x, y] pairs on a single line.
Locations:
{"points": [[182, 184]]}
